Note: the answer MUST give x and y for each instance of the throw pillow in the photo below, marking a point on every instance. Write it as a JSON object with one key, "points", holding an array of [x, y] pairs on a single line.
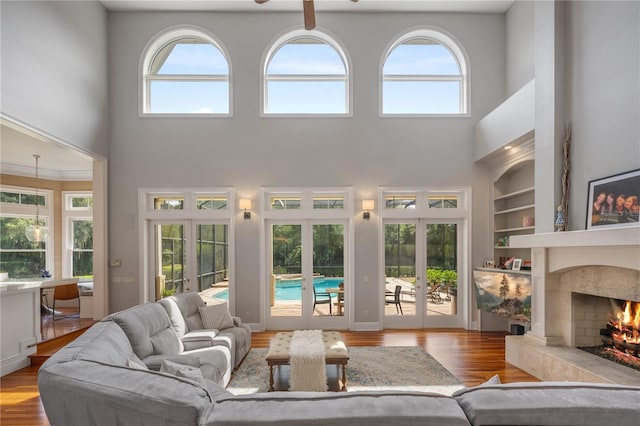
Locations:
{"points": [[134, 362], [216, 316], [495, 380], [192, 374], [182, 370]]}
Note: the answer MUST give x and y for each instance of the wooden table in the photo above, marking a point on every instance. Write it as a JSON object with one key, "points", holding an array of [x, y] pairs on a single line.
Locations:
{"points": [[334, 347], [340, 303]]}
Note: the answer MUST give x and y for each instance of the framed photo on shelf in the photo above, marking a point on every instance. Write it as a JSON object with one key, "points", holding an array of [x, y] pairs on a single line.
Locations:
{"points": [[613, 201], [517, 263]]}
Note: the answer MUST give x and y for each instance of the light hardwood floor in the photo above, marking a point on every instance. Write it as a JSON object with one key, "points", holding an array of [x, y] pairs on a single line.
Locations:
{"points": [[471, 356]]}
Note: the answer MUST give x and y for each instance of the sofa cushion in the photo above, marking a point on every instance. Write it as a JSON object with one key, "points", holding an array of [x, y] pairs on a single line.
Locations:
{"points": [[216, 316], [149, 330], [181, 370], [337, 409], [187, 305], [550, 403], [89, 393], [199, 339]]}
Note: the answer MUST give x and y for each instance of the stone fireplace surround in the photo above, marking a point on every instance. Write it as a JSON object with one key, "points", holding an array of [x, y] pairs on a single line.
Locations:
{"points": [[567, 268]]}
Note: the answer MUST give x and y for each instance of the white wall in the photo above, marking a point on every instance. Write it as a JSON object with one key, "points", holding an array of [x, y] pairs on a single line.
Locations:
{"points": [[247, 152], [603, 94], [519, 42], [54, 70]]}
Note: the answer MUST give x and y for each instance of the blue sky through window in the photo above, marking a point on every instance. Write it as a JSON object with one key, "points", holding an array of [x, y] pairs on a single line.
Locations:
{"points": [[314, 59], [189, 97], [421, 59], [192, 59]]}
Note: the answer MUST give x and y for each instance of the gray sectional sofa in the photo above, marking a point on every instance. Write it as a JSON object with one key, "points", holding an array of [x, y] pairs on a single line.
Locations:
{"points": [[96, 380]]}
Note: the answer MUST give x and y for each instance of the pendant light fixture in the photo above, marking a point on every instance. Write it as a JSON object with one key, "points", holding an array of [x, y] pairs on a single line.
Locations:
{"points": [[35, 232]]}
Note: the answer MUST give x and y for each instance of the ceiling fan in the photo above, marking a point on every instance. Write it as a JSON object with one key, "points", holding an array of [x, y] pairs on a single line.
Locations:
{"points": [[309, 12]]}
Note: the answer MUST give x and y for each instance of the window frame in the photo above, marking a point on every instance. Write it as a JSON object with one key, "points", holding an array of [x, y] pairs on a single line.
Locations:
{"points": [[300, 33], [45, 212], [157, 43], [71, 214], [449, 42]]}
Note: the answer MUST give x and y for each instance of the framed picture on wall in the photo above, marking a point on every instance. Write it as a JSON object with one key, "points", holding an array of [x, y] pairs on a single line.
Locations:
{"points": [[613, 201]]}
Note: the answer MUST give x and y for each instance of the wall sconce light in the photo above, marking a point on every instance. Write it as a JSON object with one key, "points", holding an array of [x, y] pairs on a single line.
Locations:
{"points": [[366, 206], [245, 204]]}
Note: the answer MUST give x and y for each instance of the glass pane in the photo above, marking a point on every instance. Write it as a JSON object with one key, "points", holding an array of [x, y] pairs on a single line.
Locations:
{"points": [[23, 264], [211, 203], [400, 201], [189, 97], [286, 270], [421, 97], [400, 268], [442, 201], [212, 250], [172, 259], [9, 197], [286, 203], [168, 203], [190, 57], [328, 270], [79, 202], [306, 97], [421, 57], [83, 264], [442, 277], [83, 234], [308, 57], [328, 203]]}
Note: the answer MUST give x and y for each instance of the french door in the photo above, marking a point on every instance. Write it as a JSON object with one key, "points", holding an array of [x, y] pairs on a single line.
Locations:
{"points": [[422, 284], [190, 255], [307, 284]]}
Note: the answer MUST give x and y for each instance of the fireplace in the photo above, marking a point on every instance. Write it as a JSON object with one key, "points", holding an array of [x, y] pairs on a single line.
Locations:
{"points": [[608, 328], [574, 276]]}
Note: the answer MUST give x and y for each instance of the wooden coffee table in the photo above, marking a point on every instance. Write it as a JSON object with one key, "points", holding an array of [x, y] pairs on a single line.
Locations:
{"points": [[334, 347]]}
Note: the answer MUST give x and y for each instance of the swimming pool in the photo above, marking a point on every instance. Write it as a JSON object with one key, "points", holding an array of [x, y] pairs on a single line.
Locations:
{"points": [[291, 290]]}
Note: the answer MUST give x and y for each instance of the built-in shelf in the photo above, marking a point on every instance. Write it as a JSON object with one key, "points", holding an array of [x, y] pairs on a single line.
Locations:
{"points": [[515, 193], [519, 229], [511, 271], [513, 209], [516, 209]]}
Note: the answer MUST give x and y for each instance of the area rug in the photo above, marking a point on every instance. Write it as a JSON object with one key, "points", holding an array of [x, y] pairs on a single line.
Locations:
{"points": [[369, 368]]}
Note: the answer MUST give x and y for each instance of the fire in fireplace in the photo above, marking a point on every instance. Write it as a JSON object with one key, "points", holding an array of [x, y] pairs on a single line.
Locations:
{"points": [[623, 330], [621, 337]]}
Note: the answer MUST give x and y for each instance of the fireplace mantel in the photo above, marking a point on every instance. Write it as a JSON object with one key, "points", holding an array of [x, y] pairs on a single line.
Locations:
{"points": [[629, 236], [619, 247]]}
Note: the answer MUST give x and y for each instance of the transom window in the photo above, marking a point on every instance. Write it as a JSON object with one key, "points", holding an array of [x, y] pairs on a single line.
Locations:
{"points": [[186, 71], [306, 72], [424, 72]]}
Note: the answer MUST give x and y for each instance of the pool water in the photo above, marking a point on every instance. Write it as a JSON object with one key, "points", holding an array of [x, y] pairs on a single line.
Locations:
{"points": [[291, 290]]}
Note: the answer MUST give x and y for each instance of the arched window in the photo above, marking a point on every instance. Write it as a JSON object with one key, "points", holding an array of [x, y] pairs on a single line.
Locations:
{"points": [[424, 71], [306, 72], [185, 71]]}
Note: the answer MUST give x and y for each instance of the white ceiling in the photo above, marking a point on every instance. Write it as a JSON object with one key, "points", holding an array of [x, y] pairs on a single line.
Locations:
{"points": [[478, 6], [58, 162]]}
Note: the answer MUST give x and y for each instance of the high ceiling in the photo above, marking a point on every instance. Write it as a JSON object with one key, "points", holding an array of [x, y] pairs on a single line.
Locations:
{"points": [[59, 162], [478, 6]]}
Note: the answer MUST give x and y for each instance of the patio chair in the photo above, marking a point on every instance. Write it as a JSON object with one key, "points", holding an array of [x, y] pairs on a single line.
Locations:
{"points": [[394, 299], [433, 293], [322, 298]]}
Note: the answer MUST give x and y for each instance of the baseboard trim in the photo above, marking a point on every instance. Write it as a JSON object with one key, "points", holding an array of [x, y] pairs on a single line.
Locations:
{"points": [[366, 326]]}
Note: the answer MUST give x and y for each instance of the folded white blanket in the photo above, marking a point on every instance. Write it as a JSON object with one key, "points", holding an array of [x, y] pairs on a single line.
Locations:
{"points": [[307, 359]]}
